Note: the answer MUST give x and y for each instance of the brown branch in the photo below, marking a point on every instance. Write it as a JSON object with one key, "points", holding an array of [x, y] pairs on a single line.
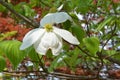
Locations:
{"points": [[104, 56], [72, 76], [31, 22], [54, 74]]}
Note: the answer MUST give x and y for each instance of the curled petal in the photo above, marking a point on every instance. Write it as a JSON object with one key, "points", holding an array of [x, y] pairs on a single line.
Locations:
{"points": [[57, 17], [31, 37], [39, 48], [57, 50], [66, 35], [49, 41]]}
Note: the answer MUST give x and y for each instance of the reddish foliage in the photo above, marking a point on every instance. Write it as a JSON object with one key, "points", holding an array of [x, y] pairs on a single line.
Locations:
{"points": [[47, 63], [8, 24], [63, 70], [114, 73], [80, 71], [95, 2], [116, 1]]}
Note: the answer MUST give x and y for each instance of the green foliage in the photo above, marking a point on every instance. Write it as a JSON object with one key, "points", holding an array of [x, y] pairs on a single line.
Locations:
{"points": [[33, 55], [25, 9], [12, 51], [105, 22], [92, 44], [69, 59], [72, 60], [79, 32], [66, 25], [2, 63], [8, 34], [34, 3], [68, 5], [28, 11], [51, 3], [2, 8], [84, 5], [58, 62], [92, 36], [110, 52]]}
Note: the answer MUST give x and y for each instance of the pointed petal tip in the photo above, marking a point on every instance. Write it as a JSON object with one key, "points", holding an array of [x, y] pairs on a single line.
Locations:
{"points": [[67, 36], [21, 48], [77, 43], [74, 42]]}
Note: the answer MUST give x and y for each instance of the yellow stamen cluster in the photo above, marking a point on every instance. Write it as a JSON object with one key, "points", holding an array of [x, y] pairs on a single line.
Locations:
{"points": [[48, 27]]}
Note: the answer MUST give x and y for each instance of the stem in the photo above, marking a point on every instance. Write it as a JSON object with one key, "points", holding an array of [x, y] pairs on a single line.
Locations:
{"points": [[85, 52], [100, 55], [41, 64], [112, 34]]}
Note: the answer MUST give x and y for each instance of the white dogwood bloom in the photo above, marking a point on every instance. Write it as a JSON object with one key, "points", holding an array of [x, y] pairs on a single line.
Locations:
{"points": [[49, 37]]}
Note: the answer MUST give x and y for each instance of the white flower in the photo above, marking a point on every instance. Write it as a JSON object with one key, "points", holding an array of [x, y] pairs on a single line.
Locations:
{"points": [[49, 37]]}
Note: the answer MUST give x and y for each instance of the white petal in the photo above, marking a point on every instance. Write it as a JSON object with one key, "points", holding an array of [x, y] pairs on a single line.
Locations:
{"points": [[57, 17], [48, 41], [57, 50], [31, 37], [39, 48], [66, 35]]}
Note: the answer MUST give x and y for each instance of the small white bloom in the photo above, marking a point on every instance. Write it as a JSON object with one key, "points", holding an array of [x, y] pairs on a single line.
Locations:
{"points": [[50, 37], [60, 8]]}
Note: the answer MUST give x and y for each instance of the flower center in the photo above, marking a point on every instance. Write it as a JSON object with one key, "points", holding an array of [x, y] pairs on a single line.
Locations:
{"points": [[48, 27]]}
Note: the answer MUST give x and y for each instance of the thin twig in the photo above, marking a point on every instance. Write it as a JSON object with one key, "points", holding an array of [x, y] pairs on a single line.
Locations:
{"points": [[100, 54], [54, 74], [86, 52], [31, 22], [41, 64]]}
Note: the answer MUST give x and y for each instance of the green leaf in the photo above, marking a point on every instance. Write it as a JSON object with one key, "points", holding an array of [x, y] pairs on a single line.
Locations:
{"points": [[92, 44], [68, 5], [111, 52], [19, 7], [79, 32], [74, 17], [73, 61], [58, 61], [32, 54], [2, 63], [106, 21], [84, 5], [67, 25], [12, 51], [28, 11]]}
